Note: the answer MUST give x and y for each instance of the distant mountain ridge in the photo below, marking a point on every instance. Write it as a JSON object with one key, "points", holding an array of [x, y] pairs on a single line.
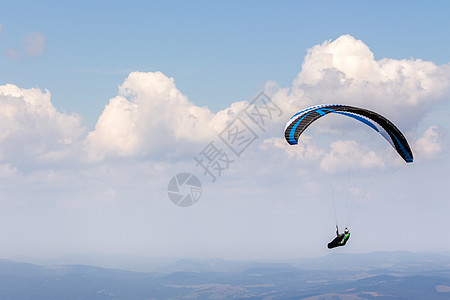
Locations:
{"points": [[379, 275]]}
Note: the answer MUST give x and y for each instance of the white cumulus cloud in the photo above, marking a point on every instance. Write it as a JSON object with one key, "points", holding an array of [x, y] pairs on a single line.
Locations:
{"points": [[150, 115], [345, 71], [33, 130]]}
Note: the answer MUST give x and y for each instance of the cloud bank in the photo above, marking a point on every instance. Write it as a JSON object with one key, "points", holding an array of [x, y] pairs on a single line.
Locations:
{"points": [[150, 118], [106, 188]]}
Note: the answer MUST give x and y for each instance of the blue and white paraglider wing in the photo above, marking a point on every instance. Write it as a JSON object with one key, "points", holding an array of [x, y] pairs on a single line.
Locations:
{"points": [[301, 120]]}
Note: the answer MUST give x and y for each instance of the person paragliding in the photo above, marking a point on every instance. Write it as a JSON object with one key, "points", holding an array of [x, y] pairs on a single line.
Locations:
{"points": [[340, 239], [300, 121]]}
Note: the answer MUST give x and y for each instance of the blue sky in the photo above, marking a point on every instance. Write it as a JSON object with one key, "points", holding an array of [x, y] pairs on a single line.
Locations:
{"points": [[102, 104], [218, 51]]}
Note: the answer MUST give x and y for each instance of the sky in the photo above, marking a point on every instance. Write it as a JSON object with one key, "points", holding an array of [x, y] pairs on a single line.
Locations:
{"points": [[101, 105]]}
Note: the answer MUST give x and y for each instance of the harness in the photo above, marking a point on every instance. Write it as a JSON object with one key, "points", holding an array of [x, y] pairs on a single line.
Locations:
{"points": [[344, 240]]}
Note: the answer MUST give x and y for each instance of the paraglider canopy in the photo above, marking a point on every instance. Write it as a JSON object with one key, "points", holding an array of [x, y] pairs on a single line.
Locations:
{"points": [[301, 120]]}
